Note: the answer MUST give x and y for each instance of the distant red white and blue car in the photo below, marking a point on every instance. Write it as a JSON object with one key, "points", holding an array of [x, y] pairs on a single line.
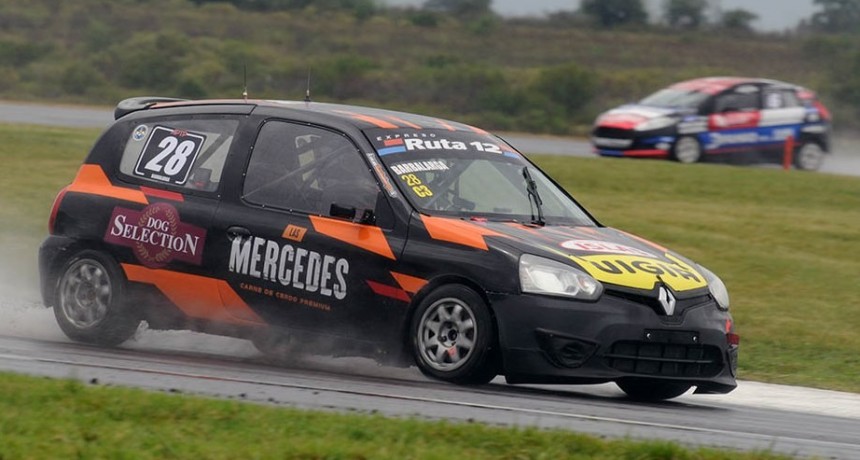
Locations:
{"points": [[731, 118]]}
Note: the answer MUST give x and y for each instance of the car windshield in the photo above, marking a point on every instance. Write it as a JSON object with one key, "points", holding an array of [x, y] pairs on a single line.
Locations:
{"points": [[472, 175], [671, 97]]}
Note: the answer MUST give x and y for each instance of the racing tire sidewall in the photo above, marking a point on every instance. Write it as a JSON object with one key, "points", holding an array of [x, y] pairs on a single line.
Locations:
{"points": [[479, 365], [809, 157], [116, 323], [687, 150], [643, 389]]}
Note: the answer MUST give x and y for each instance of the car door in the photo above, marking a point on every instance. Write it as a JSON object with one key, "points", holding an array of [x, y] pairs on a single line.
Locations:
{"points": [[781, 116], [307, 236], [734, 120]]}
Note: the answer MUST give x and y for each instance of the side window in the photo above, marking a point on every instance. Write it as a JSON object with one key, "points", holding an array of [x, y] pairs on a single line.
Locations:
{"points": [[773, 99], [790, 98], [742, 98], [780, 98], [304, 168], [183, 153]]}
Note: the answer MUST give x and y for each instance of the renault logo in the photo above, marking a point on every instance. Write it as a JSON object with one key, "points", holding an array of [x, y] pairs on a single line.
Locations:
{"points": [[667, 300]]}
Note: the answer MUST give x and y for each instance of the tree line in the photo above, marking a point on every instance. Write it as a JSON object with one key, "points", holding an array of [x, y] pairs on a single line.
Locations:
{"points": [[833, 16], [452, 58]]}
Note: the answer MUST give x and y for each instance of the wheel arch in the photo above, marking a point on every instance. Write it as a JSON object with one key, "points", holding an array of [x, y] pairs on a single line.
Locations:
{"points": [[822, 140], [55, 266], [432, 285]]}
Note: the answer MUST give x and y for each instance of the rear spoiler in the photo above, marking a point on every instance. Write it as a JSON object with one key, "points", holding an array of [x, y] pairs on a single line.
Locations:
{"points": [[133, 104]]}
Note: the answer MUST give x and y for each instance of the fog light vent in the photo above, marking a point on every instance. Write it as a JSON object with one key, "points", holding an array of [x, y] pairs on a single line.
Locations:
{"points": [[563, 350]]}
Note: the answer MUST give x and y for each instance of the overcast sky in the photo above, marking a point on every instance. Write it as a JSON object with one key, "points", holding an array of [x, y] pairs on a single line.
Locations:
{"points": [[774, 15]]}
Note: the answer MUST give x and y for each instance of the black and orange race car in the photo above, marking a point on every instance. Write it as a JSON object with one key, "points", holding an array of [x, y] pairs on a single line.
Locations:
{"points": [[322, 228]]}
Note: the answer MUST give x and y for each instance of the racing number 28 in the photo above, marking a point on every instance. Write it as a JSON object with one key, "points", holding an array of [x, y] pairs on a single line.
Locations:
{"points": [[417, 186], [178, 152], [169, 154]]}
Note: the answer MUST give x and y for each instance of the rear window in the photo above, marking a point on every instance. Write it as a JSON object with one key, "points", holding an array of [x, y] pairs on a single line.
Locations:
{"points": [[182, 153]]}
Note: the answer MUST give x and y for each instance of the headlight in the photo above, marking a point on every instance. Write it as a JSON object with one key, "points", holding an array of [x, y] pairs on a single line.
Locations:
{"points": [[717, 287], [544, 276], [655, 123]]}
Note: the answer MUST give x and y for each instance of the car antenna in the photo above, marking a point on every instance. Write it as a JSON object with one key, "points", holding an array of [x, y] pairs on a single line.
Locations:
{"points": [[308, 90], [245, 81]]}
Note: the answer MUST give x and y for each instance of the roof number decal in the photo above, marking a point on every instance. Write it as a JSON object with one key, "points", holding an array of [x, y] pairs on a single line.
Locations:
{"points": [[169, 154]]}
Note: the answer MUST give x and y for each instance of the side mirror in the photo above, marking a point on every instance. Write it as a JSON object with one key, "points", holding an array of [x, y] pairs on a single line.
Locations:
{"points": [[367, 217], [342, 212]]}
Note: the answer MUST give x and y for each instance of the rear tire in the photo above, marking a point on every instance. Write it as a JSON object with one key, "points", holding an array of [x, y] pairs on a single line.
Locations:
{"points": [[809, 157], [651, 389], [687, 149], [91, 301], [454, 337]]}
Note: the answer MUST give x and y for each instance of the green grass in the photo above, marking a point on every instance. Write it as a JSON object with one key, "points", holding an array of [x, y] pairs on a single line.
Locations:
{"points": [[43, 418], [37, 163], [784, 242]]}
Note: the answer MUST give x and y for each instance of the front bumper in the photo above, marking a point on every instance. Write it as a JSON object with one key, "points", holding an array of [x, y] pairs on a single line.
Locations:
{"points": [[552, 340], [614, 142]]}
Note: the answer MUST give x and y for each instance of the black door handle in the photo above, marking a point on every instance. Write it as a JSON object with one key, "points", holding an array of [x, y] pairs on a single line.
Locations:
{"points": [[238, 232]]}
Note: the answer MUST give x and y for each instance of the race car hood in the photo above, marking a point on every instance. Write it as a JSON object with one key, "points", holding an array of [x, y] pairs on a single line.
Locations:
{"points": [[631, 116], [611, 256]]}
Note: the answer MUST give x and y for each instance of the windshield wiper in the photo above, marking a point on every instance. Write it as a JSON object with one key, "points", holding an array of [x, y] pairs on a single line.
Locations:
{"points": [[534, 197]]}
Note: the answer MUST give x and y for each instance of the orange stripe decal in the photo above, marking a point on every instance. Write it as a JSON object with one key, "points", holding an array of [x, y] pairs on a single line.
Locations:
{"points": [[375, 121], [478, 130], [388, 291], [446, 125], [402, 122], [457, 231], [649, 243], [91, 179], [409, 284], [197, 296], [158, 193], [235, 306], [366, 237]]}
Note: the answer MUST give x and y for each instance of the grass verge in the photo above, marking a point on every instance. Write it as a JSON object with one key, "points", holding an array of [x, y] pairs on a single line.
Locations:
{"points": [[44, 418], [783, 242]]}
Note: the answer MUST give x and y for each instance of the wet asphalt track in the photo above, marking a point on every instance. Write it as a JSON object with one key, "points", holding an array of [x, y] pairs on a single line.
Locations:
{"points": [[188, 365], [361, 386]]}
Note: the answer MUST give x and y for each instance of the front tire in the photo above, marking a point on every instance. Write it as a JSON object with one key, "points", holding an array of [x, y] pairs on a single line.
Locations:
{"points": [[687, 149], [453, 336], [91, 303], [651, 389], [809, 157]]}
